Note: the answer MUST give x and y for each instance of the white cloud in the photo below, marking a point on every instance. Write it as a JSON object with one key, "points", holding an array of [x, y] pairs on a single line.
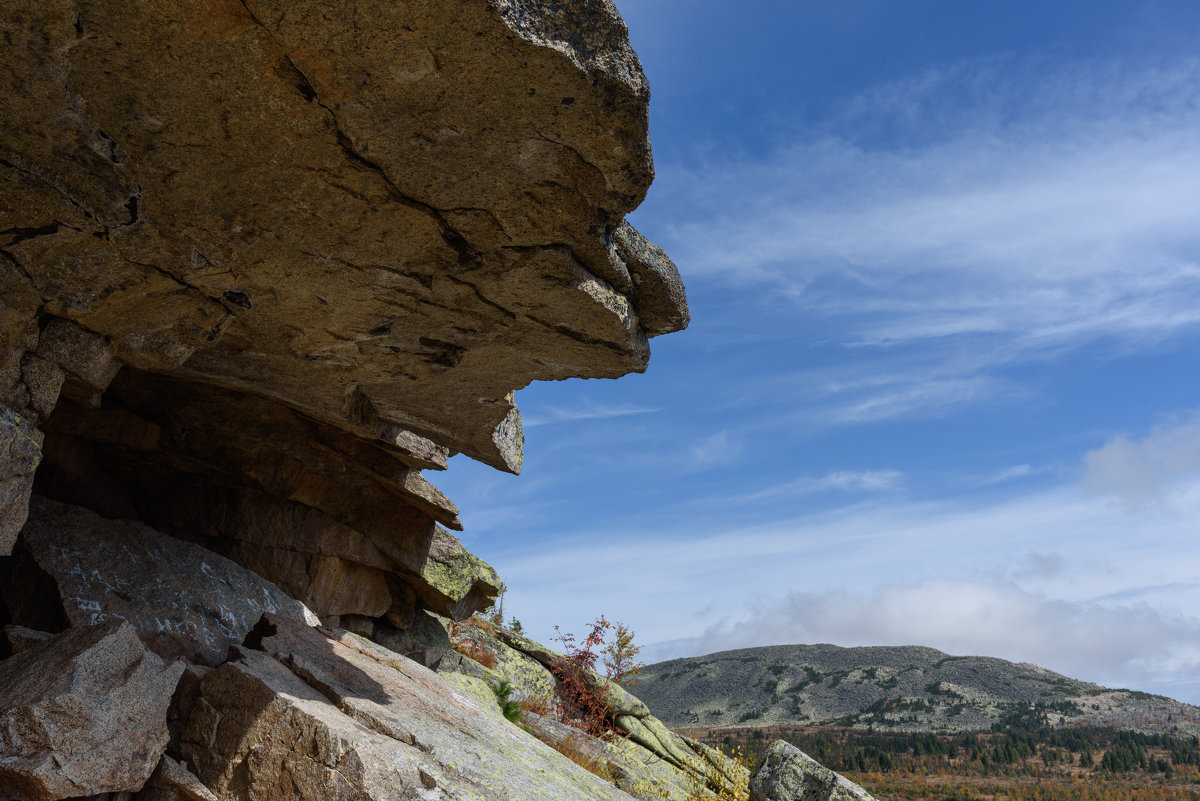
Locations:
{"points": [[838, 480], [1040, 566], [913, 397], [860, 480], [1009, 473], [1053, 577], [1109, 645], [584, 410], [715, 449], [1148, 470], [1054, 209]]}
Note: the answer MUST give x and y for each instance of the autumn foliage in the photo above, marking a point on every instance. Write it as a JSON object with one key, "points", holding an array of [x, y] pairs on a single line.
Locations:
{"points": [[578, 693]]}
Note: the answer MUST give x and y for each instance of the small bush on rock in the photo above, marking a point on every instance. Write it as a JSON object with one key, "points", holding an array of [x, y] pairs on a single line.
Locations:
{"points": [[580, 701], [510, 708], [620, 657]]}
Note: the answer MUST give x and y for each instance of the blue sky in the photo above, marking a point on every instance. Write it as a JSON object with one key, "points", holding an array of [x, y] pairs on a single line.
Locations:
{"points": [[940, 387]]}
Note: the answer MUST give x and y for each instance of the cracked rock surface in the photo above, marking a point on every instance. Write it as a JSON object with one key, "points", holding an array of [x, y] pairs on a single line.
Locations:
{"points": [[309, 713], [386, 215], [83, 713]]}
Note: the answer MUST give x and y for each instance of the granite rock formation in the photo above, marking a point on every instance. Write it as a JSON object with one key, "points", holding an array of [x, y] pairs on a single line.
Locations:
{"points": [[789, 774], [83, 713], [262, 264]]}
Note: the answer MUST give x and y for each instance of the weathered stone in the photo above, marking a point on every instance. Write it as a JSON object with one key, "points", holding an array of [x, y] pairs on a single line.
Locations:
{"points": [[280, 226], [171, 781], [403, 609], [459, 575], [20, 454], [530, 679], [83, 713], [327, 585], [83, 355], [658, 288], [630, 767], [650, 733], [425, 640], [272, 490], [15, 639], [788, 774], [187, 693], [183, 600], [43, 380], [348, 719]]}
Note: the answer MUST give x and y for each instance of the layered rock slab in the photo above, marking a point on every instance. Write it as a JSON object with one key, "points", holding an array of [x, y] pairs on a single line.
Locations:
{"points": [[345, 527], [306, 714], [83, 713]]}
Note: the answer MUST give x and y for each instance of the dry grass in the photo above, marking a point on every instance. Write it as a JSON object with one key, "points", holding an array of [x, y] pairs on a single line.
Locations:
{"points": [[486, 626], [716, 786], [542, 705], [477, 652], [574, 748]]}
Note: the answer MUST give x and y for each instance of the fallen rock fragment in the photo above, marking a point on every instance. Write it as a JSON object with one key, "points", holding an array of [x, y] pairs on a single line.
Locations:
{"points": [[183, 600], [788, 774], [173, 782], [15, 639], [83, 713]]}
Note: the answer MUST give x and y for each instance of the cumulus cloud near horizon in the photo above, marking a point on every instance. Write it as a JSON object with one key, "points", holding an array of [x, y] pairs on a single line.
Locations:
{"points": [[1111, 645], [1146, 471]]}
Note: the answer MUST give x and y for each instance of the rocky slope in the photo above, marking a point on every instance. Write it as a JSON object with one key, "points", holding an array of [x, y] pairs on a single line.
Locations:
{"points": [[262, 264], [900, 688]]}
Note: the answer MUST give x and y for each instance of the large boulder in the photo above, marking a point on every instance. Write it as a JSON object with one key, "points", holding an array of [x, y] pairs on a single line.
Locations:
{"points": [[83, 713], [184, 601], [315, 715], [788, 774]]}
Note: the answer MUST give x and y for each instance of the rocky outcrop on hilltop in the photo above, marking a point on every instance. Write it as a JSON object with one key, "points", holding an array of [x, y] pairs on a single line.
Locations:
{"points": [[262, 266]]}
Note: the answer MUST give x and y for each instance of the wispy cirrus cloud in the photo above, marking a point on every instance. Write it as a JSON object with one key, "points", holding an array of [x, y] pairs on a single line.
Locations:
{"points": [[1052, 208], [583, 410], [836, 480]]}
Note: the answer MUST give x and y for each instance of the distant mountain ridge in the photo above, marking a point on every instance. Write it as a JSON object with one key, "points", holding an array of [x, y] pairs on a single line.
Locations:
{"points": [[898, 688]]}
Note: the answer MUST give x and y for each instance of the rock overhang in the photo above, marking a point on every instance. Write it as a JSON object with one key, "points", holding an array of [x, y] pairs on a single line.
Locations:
{"points": [[389, 216], [264, 262]]}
